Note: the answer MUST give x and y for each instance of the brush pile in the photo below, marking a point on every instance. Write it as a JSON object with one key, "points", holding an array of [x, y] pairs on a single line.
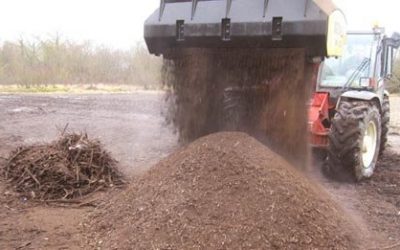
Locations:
{"points": [[68, 168]]}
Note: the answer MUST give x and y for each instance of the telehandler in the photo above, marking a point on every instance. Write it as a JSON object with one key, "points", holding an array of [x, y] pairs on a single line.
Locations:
{"points": [[348, 116]]}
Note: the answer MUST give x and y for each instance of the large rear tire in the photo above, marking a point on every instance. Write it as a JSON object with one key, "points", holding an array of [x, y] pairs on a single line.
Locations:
{"points": [[385, 124], [354, 141]]}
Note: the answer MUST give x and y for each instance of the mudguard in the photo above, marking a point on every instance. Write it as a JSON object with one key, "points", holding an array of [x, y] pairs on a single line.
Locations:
{"points": [[361, 95]]}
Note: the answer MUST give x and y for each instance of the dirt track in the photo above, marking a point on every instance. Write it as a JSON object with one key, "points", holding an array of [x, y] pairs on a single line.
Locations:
{"points": [[130, 125], [132, 128]]}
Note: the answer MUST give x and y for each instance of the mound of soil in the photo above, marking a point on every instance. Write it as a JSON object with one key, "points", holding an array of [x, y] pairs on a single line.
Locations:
{"points": [[224, 191], [71, 167]]}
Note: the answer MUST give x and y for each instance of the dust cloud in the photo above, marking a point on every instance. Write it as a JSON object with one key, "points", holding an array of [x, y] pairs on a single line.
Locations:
{"points": [[261, 92]]}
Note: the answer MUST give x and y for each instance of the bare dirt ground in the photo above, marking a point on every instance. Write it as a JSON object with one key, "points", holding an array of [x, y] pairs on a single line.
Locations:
{"points": [[375, 204], [132, 128], [130, 125]]}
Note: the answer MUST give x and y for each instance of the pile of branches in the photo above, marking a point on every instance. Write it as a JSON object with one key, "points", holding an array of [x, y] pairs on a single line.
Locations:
{"points": [[68, 168]]}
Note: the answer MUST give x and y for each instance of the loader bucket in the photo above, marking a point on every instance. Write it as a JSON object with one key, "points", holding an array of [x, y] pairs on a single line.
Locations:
{"points": [[315, 25]]}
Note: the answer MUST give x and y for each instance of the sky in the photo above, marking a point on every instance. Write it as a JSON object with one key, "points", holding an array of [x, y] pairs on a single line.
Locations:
{"points": [[119, 23]]}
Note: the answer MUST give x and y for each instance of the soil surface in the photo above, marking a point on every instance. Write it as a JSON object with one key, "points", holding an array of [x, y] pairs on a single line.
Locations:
{"points": [[132, 128]]}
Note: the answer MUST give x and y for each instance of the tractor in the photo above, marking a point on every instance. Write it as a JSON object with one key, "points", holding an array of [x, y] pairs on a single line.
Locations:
{"points": [[349, 113], [348, 116]]}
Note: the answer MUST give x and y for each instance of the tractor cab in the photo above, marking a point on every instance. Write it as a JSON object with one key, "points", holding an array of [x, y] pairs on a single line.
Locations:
{"points": [[364, 65], [360, 60]]}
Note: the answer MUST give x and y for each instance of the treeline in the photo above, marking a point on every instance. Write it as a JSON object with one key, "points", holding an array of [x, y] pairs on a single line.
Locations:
{"points": [[57, 61], [394, 84]]}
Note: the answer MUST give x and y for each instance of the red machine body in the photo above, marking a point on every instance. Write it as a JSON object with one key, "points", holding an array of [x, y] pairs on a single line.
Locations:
{"points": [[318, 119], [318, 113]]}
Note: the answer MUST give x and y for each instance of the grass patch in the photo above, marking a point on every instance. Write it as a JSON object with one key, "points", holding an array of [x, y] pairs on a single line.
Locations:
{"points": [[81, 88], [33, 89]]}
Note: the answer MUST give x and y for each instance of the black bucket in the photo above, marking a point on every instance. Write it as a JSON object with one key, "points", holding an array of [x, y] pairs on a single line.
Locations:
{"points": [[239, 24]]}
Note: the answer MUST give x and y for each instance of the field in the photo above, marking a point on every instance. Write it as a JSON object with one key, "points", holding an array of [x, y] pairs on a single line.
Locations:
{"points": [[132, 127], [395, 115]]}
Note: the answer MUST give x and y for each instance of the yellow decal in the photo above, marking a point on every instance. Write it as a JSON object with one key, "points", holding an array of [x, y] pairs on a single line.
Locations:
{"points": [[337, 37]]}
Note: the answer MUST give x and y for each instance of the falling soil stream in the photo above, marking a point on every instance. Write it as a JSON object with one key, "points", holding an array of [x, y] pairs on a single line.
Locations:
{"points": [[261, 92]]}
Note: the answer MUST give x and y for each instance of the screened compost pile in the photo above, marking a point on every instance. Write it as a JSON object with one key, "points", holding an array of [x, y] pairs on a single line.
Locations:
{"points": [[69, 168], [258, 91], [224, 191]]}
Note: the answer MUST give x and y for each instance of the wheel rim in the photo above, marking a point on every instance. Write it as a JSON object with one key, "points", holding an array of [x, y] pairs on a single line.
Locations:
{"points": [[369, 144]]}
